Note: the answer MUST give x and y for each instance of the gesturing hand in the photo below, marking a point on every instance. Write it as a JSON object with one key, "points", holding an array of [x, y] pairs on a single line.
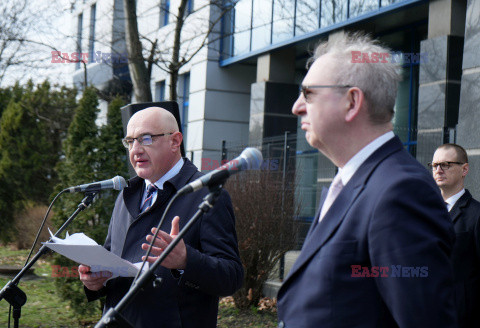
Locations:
{"points": [[177, 259]]}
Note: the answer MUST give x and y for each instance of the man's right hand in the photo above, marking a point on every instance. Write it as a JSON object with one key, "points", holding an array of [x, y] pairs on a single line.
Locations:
{"points": [[93, 280]]}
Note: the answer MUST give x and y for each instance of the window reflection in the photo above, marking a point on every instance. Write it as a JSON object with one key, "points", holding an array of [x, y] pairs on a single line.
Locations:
{"points": [[262, 20], [307, 16], [358, 7], [333, 11], [241, 43], [275, 21], [388, 2], [283, 12], [243, 12]]}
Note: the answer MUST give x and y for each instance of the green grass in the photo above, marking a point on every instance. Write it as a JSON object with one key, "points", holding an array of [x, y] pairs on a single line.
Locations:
{"points": [[229, 317], [45, 309]]}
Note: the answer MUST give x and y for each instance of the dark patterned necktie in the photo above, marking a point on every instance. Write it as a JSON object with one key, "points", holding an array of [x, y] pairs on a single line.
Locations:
{"points": [[147, 203]]}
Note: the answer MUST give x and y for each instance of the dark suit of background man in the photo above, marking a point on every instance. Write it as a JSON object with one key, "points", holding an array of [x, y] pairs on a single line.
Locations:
{"points": [[388, 219], [450, 167], [203, 266]]}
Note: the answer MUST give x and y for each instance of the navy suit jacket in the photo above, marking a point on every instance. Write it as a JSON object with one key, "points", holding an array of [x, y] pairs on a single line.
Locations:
{"points": [[380, 257], [465, 215], [213, 264]]}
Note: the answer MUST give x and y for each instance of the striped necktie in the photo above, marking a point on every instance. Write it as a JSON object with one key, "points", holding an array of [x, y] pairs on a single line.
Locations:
{"points": [[147, 203]]}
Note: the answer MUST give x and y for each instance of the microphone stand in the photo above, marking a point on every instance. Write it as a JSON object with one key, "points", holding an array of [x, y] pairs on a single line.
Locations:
{"points": [[113, 317], [14, 295]]}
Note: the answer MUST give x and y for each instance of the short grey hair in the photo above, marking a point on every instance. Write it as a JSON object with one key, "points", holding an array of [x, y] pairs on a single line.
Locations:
{"points": [[378, 81]]}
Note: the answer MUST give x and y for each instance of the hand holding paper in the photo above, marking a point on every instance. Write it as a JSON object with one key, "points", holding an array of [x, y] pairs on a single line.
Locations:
{"points": [[84, 250], [93, 280]]}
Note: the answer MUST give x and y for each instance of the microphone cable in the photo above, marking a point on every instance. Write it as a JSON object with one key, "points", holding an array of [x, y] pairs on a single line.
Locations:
{"points": [[42, 225], [35, 242], [154, 237]]}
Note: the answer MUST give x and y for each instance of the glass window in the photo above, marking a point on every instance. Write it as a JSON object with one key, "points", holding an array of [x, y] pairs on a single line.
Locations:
{"points": [[185, 105], [307, 16], [227, 28], [91, 40], [164, 12], [388, 2], [241, 43], [160, 91], [243, 21], [358, 7], [190, 5], [333, 11], [283, 17], [261, 23], [405, 118]]}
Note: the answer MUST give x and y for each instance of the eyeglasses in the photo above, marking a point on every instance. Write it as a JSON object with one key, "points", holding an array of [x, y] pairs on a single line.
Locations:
{"points": [[144, 140], [443, 165], [304, 89]]}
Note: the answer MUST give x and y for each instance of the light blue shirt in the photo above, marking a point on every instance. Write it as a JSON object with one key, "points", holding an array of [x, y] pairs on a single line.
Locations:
{"points": [[356, 161], [159, 183]]}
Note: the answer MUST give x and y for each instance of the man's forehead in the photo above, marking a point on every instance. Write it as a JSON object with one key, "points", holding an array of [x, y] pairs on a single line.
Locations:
{"points": [[445, 154], [142, 125], [320, 72]]}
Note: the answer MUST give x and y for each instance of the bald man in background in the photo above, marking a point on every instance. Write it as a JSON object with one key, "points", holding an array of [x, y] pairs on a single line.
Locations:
{"points": [[202, 267]]}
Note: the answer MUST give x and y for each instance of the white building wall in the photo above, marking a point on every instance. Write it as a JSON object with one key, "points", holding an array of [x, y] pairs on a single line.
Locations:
{"points": [[219, 107]]}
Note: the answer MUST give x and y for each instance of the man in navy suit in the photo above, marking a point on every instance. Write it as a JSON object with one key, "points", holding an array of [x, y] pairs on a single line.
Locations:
{"points": [[202, 267], [450, 167], [378, 251]]}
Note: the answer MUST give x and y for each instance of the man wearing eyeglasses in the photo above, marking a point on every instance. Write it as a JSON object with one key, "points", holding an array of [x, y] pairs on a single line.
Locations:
{"points": [[202, 267], [450, 167], [378, 251]]}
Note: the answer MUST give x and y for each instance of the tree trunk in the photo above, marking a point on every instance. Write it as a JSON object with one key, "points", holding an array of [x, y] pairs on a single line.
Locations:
{"points": [[173, 84], [136, 64], [175, 63]]}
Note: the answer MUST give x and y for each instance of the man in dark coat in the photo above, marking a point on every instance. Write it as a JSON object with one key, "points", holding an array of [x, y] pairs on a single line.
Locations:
{"points": [[202, 267], [450, 167], [378, 252]]}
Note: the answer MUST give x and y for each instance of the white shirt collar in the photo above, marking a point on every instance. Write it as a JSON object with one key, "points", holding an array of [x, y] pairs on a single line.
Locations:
{"points": [[452, 200], [167, 176], [356, 161]]}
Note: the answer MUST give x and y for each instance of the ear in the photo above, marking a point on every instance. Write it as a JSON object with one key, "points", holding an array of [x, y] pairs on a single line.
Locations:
{"points": [[176, 141], [354, 103], [465, 169]]}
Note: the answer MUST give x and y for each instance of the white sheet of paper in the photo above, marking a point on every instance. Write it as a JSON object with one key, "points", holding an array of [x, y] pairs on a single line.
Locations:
{"points": [[84, 250]]}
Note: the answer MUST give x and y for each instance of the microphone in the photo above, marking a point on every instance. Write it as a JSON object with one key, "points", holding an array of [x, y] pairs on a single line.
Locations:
{"points": [[249, 159], [117, 183]]}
